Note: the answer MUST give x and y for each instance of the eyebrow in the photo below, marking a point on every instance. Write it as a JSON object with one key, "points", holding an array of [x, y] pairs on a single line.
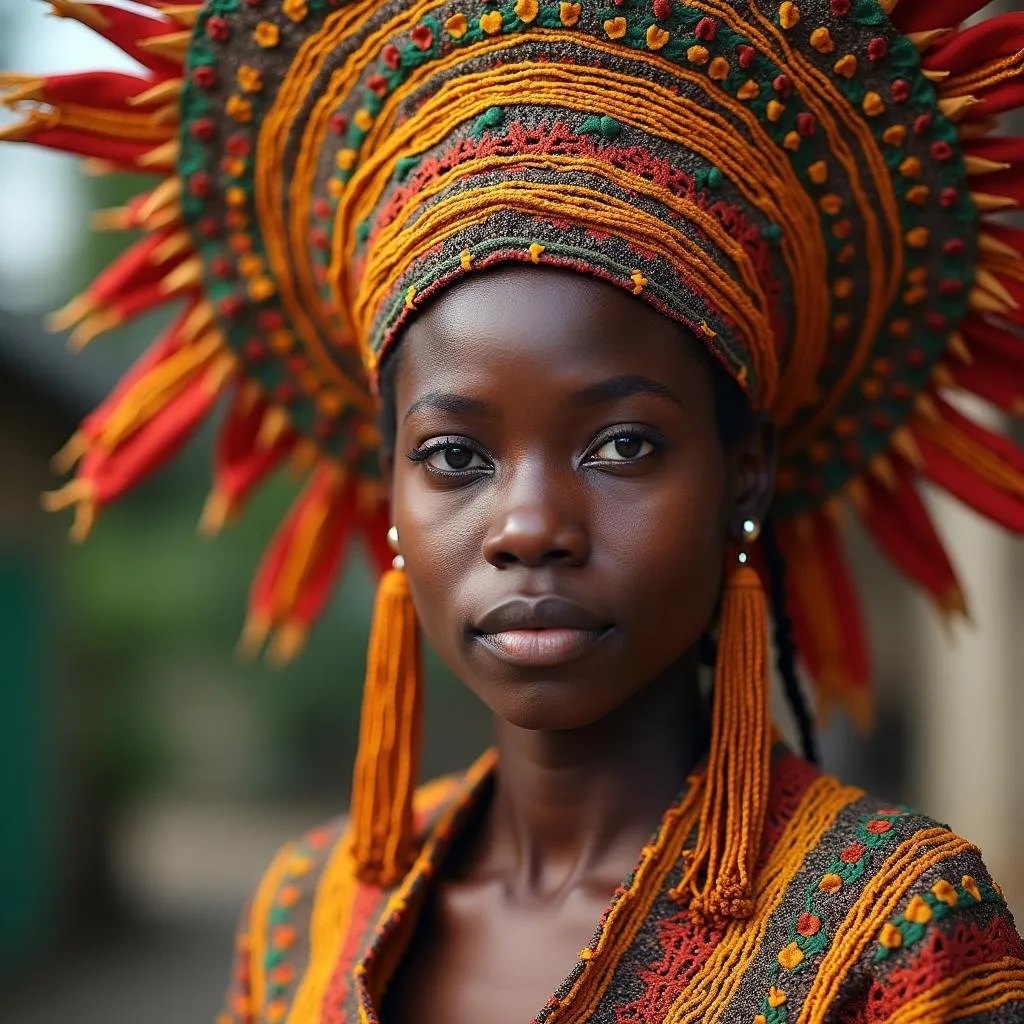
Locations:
{"points": [[625, 387], [449, 402]]}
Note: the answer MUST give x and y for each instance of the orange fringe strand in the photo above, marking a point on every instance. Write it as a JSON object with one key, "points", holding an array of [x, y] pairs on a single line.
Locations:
{"points": [[720, 871], [390, 736]]}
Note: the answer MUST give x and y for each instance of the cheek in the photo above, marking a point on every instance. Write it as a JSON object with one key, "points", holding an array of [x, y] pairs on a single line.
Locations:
{"points": [[667, 547], [437, 546]]}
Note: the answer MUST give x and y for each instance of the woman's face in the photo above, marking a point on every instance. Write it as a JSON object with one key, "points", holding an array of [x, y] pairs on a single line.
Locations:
{"points": [[561, 493]]}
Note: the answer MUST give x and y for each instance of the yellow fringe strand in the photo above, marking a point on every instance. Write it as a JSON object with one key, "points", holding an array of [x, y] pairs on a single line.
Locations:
{"points": [[719, 873], [390, 736]]}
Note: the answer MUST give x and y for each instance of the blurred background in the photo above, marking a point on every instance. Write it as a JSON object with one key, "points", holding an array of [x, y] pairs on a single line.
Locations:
{"points": [[147, 776]]}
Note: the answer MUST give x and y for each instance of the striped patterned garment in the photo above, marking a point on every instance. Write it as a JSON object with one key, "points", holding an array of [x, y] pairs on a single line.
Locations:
{"points": [[864, 913]]}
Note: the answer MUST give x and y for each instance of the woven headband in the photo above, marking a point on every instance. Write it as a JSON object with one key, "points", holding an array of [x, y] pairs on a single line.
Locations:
{"points": [[807, 187]]}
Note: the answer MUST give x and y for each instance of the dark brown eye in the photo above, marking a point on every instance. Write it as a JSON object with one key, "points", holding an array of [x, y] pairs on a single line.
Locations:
{"points": [[624, 448], [455, 458]]}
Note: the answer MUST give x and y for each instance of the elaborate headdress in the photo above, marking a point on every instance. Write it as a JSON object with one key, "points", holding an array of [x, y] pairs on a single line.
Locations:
{"points": [[806, 185]]}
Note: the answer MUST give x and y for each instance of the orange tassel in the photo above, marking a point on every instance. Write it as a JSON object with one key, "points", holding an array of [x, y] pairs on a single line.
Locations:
{"points": [[390, 737], [719, 874]]}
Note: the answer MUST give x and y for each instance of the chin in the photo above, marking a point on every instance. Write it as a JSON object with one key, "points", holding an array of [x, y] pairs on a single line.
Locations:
{"points": [[548, 706]]}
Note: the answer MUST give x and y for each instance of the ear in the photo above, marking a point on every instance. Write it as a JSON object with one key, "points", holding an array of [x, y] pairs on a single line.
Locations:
{"points": [[752, 464]]}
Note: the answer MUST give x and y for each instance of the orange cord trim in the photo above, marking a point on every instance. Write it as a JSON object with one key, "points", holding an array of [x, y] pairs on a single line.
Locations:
{"points": [[875, 905], [328, 925], [822, 97], [710, 993], [979, 989], [719, 874], [259, 925], [390, 736]]}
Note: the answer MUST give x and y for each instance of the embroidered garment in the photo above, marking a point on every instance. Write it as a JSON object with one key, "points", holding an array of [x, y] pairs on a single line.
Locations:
{"points": [[865, 913]]}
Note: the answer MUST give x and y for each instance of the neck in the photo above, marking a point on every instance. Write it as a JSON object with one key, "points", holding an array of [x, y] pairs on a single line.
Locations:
{"points": [[572, 804]]}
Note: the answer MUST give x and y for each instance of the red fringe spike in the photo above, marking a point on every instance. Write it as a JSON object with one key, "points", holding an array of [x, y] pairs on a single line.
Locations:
{"points": [[827, 620], [1012, 237], [995, 380], [240, 462], [922, 15], [288, 565], [1002, 149], [40, 131], [168, 343], [106, 474], [980, 467], [989, 340], [133, 270], [965, 51], [105, 90], [125, 30], [1009, 183], [903, 528]]}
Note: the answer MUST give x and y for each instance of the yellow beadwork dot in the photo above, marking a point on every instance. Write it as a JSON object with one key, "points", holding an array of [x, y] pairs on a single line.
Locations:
{"points": [[846, 254], [760, 1018], [918, 195], [821, 40], [466, 259], [776, 997], [911, 167], [657, 37], [698, 55], [873, 104], [916, 295], [846, 66], [569, 14], [972, 887], [282, 341], [639, 282], [297, 10], [917, 238], [917, 276], [336, 188], [791, 956], [346, 159], [792, 141], [917, 912], [527, 10], [944, 891], [535, 250], [901, 328], [249, 79], [749, 90], [235, 196], [718, 69], [266, 34], [250, 264], [410, 295], [843, 287], [261, 288], [894, 135], [615, 28], [842, 229], [330, 403], [239, 109], [840, 322], [363, 120], [491, 22], [234, 167], [457, 26], [789, 14], [831, 204], [774, 110], [818, 172], [891, 937], [277, 1011]]}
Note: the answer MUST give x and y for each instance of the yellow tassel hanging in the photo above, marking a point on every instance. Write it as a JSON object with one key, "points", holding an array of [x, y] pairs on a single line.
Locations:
{"points": [[390, 737], [719, 873]]}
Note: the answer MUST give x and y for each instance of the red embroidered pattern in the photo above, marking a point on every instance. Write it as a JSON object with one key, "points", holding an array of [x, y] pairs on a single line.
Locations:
{"points": [[940, 957]]}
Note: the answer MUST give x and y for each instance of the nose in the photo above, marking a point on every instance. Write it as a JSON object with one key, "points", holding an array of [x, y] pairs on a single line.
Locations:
{"points": [[536, 535]]}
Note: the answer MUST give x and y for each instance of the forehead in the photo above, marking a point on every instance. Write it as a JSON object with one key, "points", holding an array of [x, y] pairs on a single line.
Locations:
{"points": [[545, 324]]}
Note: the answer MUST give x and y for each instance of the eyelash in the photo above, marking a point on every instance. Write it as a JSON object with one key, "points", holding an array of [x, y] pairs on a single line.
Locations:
{"points": [[422, 454]]}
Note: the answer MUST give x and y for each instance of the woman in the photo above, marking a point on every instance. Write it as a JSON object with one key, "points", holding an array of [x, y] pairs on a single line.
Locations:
{"points": [[646, 293]]}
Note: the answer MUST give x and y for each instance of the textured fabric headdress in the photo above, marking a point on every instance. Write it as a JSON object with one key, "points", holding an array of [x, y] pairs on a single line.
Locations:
{"points": [[806, 185]]}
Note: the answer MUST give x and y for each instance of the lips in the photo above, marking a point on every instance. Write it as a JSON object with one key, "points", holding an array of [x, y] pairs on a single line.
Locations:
{"points": [[545, 631]]}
